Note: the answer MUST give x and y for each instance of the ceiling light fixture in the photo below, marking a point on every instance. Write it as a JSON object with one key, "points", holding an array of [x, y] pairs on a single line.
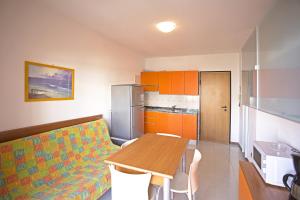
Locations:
{"points": [[166, 26]]}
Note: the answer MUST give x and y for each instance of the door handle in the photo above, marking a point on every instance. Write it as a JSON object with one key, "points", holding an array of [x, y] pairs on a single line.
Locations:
{"points": [[224, 107]]}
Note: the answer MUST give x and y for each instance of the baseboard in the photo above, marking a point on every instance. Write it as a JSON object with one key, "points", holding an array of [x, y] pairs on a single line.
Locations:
{"points": [[238, 144]]}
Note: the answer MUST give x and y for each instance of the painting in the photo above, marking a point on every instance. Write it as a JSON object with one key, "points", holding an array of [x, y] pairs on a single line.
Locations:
{"points": [[47, 82]]}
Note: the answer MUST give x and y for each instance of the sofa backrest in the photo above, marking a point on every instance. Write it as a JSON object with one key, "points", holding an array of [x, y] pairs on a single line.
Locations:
{"points": [[42, 158]]}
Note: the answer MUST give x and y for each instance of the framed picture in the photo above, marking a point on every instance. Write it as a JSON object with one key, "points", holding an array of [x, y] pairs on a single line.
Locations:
{"points": [[48, 83]]}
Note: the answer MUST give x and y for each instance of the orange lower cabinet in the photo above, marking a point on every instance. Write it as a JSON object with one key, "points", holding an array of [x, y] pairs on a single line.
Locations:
{"points": [[150, 127], [162, 122], [175, 123], [244, 192], [189, 126], [169, 123], [150, 122]]}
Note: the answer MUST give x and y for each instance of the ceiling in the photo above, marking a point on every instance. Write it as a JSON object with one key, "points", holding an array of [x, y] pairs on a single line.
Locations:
{"points": [[204, 26]]}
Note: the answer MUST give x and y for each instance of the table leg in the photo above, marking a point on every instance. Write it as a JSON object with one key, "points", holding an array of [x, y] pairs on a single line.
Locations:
{"points": [[166, 189], [183, 162]]}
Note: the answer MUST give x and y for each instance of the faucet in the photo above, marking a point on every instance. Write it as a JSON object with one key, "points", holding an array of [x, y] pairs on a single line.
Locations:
{"points": [[173, 107]]}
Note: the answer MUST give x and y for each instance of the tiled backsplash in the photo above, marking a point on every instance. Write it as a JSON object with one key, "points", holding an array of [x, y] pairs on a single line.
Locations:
{"points": [[181, 101]]}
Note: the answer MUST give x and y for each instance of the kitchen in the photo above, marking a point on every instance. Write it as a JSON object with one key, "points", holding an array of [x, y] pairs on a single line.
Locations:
{"points": [[192, 104], [172, 102]]}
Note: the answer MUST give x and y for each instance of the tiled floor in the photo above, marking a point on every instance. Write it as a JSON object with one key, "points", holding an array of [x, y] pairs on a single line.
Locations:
{"points": [[218, 172]]}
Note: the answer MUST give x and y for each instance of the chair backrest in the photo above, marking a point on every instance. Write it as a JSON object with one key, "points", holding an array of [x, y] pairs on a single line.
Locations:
{"points": [[194, 180], [168, 134], [129, 186], [128, 142]]}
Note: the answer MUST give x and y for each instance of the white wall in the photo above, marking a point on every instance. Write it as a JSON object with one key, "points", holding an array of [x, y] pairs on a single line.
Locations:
{"points": [[273, 128], [262, 126], [181, 101], [30, 31], [211, 62], [278, 37]]}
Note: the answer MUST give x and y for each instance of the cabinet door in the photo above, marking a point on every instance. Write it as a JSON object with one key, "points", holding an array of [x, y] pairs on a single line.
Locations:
{"points": [[165, 82], [189, 126], [175, 124], [177, 79], [162, 122], [169, 123], [150, 128], [151, 122], [191, 82], [150, 81]]}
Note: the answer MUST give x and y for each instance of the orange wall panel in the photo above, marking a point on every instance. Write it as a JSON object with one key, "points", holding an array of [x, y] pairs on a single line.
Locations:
{"points": [[244, 192]]}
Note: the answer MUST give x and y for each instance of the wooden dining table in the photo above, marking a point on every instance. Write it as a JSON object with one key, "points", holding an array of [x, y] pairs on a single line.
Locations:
{"points": [[155, 154]]}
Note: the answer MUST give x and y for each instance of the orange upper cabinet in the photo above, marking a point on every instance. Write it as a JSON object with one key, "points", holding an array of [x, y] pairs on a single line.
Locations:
{"points": [[191, 82], [150, 81], [189, 126], [177, 79], [165, 82]]}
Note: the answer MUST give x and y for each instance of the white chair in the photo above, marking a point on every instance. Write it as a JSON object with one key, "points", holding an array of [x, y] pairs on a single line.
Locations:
{"points": [[129, 186], [188, 184], [128, 142], [183, 183], [168, 134]]}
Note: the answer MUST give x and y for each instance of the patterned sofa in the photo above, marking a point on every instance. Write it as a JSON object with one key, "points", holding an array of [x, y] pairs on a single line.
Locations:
{"points": [[66, 163]]}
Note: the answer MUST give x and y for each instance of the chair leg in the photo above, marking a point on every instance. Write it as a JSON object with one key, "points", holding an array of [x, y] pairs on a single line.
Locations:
{"points": [[157, 193], [183, 162], [190, 196]]}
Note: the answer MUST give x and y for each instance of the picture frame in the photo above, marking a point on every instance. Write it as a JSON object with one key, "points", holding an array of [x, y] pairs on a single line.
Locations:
{"points": [[48, 82]]}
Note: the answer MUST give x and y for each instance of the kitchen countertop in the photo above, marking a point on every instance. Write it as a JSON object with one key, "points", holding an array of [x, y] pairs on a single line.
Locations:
{"points": [[170, 110], [258, 188]]}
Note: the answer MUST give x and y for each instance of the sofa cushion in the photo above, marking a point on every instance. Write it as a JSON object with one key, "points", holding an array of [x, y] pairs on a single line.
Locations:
{"points": [[33, 166]]}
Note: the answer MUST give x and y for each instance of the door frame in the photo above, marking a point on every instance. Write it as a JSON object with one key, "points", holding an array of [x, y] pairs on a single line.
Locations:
{"points": [[230, 93]]}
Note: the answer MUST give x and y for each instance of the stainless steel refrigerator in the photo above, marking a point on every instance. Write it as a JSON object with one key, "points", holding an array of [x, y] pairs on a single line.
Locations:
{"points": [[127, 112]]}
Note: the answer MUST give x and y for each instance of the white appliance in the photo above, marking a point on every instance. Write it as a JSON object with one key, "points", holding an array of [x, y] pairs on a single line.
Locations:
{"points": [[127, 112], [273, 161]]}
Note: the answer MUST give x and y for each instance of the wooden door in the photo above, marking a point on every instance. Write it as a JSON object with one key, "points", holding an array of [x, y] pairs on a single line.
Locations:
{"points": [[191, 82], [189, 126], [150, 81], [177, 79], [165, 82], [215, 106]]}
